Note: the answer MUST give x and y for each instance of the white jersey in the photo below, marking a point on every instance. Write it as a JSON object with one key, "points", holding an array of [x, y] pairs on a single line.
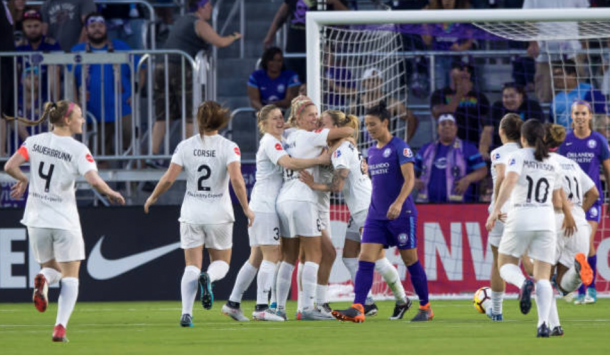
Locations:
{"points": [[305, 145], [55, 163], [357, 189], [575, 184], [500, 156], [531, 202], [325, 176], [268, 174], [205, 160]]}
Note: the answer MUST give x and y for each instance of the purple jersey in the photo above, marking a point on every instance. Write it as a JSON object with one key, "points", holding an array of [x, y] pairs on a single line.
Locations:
{"points": [[384, 167], [588, 152]]}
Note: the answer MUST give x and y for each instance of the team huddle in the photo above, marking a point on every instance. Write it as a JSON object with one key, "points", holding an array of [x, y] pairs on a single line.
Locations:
{"points": [[299, 164]]}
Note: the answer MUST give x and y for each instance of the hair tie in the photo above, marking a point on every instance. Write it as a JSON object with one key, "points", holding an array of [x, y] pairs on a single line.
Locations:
{"points": [[303, 106], [69, 109]]}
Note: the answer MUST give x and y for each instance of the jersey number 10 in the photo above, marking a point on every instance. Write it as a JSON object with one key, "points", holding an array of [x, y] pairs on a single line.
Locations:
{"points": [[541, 184]]}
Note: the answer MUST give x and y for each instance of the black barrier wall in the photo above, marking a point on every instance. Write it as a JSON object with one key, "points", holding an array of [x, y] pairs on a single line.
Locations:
{"points": [[130, 256]]}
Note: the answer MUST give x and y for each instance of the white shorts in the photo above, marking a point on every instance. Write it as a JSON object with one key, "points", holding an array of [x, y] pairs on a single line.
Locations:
{"points": [[324, 217], [213, 236], [540, 245], [356, 222], [568, 247], [59, 244], [299, 218], [265, 230], [495, 236]]}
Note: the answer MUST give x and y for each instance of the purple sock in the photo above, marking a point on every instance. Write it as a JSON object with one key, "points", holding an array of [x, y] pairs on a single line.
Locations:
{"points": [[592, 260], [582, 290], [364, 281], [420, 282]]}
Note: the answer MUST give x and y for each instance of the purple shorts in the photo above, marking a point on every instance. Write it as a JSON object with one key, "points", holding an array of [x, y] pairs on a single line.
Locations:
{"points": [[594, 213], [400, 232]]}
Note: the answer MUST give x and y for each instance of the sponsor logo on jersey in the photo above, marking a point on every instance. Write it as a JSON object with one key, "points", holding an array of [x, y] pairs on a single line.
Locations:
{"points": [[89, 158], [319, 130], [512, 162], [337, 153], [387, 152], [496, 156], [407, 153], [236, 150], [278, 146], [591, 143], [569, 143]]}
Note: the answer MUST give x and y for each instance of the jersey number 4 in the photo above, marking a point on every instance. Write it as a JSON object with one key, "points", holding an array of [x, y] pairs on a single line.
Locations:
{"points": [[207, 172], [47, 177]]}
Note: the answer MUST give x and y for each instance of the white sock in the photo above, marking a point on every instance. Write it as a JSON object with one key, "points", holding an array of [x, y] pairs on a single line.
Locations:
{"points": [[352, 266], [53, 276], [188, 288], [553, 315], [274, 286], [310, 282], [570, 280], [544, 293], [217, 270], [496, 301], [67, 300], [284, 279], [300, 287], [390, 275], [264, 281], [321, 291], [512, 274], [244, 279]]}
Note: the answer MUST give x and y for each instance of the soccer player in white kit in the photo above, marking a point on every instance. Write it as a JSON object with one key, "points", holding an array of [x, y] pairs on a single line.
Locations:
{"points": [[264, 233], [56, 160], [297, 207], [350, 177], [206, 217], [533, 183], [510, 134]]}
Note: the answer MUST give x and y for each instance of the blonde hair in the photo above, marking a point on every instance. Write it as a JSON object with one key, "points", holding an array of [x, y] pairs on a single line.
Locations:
{"points": [[555, 135], [340, 119], [55, 112], [297, 106], [263, 115]]}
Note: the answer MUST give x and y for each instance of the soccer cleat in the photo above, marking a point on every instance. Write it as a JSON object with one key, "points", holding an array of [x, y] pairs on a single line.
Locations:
{"points": [[557, 331], [326, 310], [298, 315], [583, 268], [570, 297], [267, 315], [353, 314], [591, 296], [315, 314], [370, 310], [59, 334], [497, 317], [282, 314], [423, 314], [205, 286], [41, 293], [234, 313], [186, 321], [273, 306], [580, 299], [401, 309], [543, 331], [525, 296]]}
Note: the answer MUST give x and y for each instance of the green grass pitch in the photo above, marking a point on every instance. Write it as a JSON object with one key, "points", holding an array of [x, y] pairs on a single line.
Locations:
{"points": [[152, 328]]}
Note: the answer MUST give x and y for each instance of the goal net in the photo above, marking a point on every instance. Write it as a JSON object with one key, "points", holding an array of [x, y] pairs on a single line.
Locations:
{"points": [[357, 60]]}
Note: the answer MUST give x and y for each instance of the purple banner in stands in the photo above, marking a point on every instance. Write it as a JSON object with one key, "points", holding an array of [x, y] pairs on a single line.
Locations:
{"points": [[6, 201], [248, 171]]}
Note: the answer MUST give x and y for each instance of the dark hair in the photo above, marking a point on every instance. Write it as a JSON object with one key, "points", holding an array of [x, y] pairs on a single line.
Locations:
{"points": [[380, 111], [55, 112], [462, 66], [518, 88], [555, 135], [211, 116], [511, 125], [268, 56], [534, 133], [568, 66], [93, 14]]}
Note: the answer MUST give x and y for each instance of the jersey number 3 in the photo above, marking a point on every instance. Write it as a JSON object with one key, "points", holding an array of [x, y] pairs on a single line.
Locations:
{"points": [[47, 177], [206, 175]]}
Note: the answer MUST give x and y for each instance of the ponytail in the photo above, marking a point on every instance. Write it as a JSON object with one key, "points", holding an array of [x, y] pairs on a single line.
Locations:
{"points": [[555, 135], [340, 119], [541, 150], [534, 134], [55, 112]]}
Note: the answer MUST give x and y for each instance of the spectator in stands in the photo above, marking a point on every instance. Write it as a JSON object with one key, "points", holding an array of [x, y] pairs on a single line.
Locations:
{"points": [[7, 44], [273, 84], [124, 22], [602, 125], [471, 107], [190, 33], [17, 8], [514, 100], [100, 103], [30, 107], [64, 19], [339, 85], [295, 11], [542, 77], [569, 89], [449, 167]]}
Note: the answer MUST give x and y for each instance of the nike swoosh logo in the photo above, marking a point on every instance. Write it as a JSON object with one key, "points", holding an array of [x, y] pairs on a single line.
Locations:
{"points": [[101, 268], [569, 143]]}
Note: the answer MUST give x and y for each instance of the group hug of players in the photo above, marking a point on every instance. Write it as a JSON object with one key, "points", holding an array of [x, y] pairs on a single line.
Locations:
{"points": [[298, 165]]}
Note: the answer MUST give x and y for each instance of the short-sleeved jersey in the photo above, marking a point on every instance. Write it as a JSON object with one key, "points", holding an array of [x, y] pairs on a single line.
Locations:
{"points": [[357, 189], [205, 160], [305, 145], [387, 179], [575, 184], [500, 156], [273, 90], [531, 202], [56, 162], [268, 174], [588, 152]]}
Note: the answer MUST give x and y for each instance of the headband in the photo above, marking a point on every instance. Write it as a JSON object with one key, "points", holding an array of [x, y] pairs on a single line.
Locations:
{"points": [[69, 109], [582, 102], [200, 3], [303, 106], [553, 150], [95, 19]]}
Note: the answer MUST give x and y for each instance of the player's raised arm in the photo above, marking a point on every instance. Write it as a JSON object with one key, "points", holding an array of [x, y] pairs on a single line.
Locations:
{"points": [[166, 181]]}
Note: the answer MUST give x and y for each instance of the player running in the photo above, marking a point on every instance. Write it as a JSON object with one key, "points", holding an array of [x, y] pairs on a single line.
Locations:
{"points": [[51, 216], [206, 217], [265, 231], [510, 134], [533, 182], [351, 178], [392, 217], [590, 150]]}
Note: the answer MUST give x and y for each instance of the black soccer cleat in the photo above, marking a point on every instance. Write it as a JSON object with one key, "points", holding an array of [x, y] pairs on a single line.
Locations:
{"points": [[543, 331], [370, 310], [557, 331], [186, 321], [400, 310], [353, 314], [525, 296], [205, 286]]}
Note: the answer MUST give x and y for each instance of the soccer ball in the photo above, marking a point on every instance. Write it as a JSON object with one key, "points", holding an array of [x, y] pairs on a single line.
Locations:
{"points": [[482, 299]]}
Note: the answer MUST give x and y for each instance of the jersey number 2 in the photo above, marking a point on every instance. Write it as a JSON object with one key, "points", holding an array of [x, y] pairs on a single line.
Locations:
{"points": [[206, 175], [47, 177]]}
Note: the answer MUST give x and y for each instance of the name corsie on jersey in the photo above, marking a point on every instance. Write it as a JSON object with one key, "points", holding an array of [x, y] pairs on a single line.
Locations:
{"points": [[53, 153], [204, 153]]}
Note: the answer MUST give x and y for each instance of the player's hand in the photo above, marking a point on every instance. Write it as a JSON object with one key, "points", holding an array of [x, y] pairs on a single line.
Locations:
{"points": [[149, 202], [462, 185], [502, 217], [324, 157], [250, 215], [18, 189], [116, 198], [569, 226], [394, 210], [236, 36], [419, 184], [491, 220], [306, 178]]}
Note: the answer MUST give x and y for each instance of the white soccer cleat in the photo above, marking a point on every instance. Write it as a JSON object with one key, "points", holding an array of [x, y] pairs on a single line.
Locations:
{"points": [[234, 313], [570, 297], [325, 309], [266, 315], [315, 314]]}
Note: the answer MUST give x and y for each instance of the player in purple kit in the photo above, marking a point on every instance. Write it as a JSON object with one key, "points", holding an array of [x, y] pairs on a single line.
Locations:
{"points": [[590, 150], [392, 217]]}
